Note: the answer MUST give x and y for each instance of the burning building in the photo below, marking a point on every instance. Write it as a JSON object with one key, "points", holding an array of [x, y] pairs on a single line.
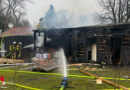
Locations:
{"points": [[107, 43]]}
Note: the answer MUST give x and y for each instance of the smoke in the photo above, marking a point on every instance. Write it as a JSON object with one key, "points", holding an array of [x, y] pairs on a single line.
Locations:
{"points": [[49, 18], [40, 41], [78, 7], [65, 19]]}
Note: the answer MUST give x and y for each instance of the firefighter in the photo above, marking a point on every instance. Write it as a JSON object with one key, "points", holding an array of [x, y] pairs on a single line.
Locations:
{"points": [[19, 48], [38, 25], [11, 53], [14, 49]]}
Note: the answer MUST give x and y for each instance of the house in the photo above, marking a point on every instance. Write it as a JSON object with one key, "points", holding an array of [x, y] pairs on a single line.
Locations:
{"points": [[23, 35], [101, 43]]}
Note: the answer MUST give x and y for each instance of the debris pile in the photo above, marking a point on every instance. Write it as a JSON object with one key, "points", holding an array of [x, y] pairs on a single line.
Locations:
{"points": [[90, 69]]}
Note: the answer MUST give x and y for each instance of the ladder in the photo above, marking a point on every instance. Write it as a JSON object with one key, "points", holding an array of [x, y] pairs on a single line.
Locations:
{"points": [[81, 53], [102, 47]]}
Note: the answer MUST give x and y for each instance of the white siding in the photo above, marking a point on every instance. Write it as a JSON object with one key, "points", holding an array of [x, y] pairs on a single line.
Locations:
{"points": [[94, 52], [2, 49]]}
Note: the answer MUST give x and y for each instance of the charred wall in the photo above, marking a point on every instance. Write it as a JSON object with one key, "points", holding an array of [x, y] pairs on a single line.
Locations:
{"points": [[77, 42]]}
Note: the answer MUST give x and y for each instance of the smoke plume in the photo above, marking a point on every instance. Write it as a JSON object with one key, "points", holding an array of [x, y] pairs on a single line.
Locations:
{"points": [[65, 19]]}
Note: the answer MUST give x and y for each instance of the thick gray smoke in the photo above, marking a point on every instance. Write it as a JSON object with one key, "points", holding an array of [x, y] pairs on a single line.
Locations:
{"points": [[49, 18], [65, 19]]}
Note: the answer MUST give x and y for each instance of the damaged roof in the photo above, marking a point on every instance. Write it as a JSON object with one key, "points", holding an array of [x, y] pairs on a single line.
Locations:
{"points": [[18, 32]]}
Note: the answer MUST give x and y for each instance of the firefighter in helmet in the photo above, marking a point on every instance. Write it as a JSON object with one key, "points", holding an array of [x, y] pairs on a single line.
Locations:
{"points": [[19, 48], [12, 49], [11, 52]]}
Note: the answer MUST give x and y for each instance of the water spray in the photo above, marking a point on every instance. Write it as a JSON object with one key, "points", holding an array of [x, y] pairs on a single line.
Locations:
{"points": [[65, 79]]}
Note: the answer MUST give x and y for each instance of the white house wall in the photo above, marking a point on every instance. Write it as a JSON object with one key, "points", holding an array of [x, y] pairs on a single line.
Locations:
{"points": [[2, 49], [94, 52]]}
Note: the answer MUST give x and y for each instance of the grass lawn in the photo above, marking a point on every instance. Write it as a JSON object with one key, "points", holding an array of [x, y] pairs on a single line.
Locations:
{"points": [[115, 74], [53, 82]]}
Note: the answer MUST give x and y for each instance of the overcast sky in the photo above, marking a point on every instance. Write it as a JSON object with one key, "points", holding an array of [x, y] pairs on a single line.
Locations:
{"points": [[38, 8]]}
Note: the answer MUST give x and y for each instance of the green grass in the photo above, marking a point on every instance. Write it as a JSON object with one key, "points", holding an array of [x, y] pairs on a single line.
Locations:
{"points": [[50, 82], [113, 73], [53, 82]]}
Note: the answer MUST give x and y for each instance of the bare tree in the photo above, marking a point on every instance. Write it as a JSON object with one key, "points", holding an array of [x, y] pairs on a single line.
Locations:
{"points": [[13, 10], [23, 23], [117, 11]]}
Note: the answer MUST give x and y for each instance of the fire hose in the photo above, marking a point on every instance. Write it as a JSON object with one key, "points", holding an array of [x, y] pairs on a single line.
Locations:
{"points": [[64, 83], [107, 81]]}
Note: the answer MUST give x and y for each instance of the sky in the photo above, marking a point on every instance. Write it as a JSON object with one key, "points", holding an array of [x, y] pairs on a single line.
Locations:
{"points": [[38, 8]]}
